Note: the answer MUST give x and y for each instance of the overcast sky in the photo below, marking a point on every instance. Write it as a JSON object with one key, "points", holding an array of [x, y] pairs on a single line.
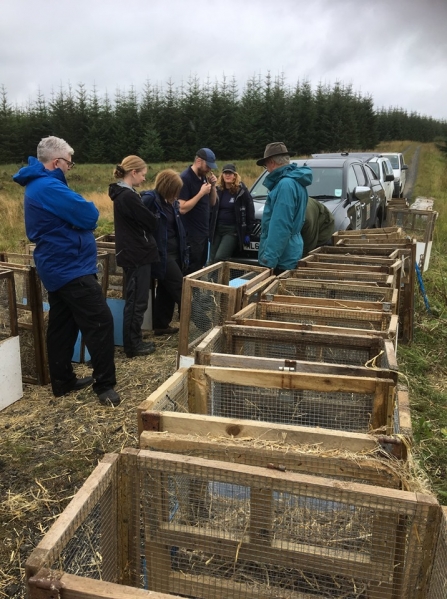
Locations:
{"points": [[395, 50]]}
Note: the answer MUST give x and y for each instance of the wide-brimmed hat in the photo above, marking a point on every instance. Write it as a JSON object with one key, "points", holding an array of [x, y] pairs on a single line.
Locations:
{"points": [[276, 148], [208, 156], [229, 168]]}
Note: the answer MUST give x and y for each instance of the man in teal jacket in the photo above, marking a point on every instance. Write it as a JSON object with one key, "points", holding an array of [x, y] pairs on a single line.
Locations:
{"points": [[281, 244]]}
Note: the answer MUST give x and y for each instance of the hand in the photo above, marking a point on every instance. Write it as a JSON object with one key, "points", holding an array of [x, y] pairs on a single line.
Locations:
{"points": [[212, 179], [247, 240], [205, 189]]}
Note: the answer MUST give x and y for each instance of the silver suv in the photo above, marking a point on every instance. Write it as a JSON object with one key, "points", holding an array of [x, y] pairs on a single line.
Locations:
{"points": [[399, 170]]}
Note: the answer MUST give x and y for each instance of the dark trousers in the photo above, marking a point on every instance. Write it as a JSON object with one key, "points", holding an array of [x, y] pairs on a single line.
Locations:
{"points": [[138, 284], [80, 306], [224, 243], [198, 253], [168, 293]]}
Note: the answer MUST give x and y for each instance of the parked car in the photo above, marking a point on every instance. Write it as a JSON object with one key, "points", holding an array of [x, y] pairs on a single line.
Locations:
{"points": [[378, 162], [399, 170], [347, 186]]}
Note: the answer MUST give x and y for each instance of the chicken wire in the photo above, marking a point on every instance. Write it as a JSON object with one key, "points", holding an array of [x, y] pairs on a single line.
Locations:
{"points": [[344, 319], [299, 345], [210, 296], [419, 224], [8, 309], [346, 411], [196, 528], [215, 530], [338, 291], [355, 276], [438, 584]]}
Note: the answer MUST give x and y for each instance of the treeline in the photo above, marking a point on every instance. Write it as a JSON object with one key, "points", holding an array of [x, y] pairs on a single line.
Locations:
{"points": [[171, 123]]}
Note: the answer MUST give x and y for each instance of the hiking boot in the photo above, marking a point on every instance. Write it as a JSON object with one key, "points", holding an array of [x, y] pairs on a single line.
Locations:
{"points": [[166, 331], [145, 349], [109, 398], [60, 389]]}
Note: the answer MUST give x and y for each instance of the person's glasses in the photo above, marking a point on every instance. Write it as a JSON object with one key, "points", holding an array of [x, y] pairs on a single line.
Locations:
{"points": [[70, 164], [229, 173]]}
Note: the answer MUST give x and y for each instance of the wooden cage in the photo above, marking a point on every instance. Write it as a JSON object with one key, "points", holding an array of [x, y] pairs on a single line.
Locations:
{"points": [[212, 295], [148, 522]]}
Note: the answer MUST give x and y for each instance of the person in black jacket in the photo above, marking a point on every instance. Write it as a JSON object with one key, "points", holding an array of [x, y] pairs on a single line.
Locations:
{"points": [[171, 242], [136, 250], [232, 217]]}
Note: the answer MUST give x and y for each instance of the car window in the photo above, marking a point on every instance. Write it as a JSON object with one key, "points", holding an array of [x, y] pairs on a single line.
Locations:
{"points": [[375, 167], [361, 178], [327, 181], [384, 170], [394, 159], [388, 166], [352, 180], [370, 173]]}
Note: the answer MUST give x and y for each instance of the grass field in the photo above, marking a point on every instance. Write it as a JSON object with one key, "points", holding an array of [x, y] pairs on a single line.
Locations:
{"points": [[48, 447]]}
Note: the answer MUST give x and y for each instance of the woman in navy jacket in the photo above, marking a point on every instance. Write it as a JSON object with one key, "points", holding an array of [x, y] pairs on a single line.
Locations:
{"points": [[171, 243], [232, 217]]}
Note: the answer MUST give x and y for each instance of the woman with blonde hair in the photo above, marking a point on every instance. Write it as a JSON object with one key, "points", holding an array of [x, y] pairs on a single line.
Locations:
{"points": [[171, 242], [233, 216], [136, 249]]}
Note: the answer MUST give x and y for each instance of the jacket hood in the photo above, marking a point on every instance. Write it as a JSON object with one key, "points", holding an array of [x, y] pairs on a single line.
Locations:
{"points": [[35, 170], [302, 174], [115, 189]]}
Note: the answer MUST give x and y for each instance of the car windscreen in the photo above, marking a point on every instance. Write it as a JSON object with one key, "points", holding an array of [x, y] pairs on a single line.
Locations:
{"points": [[327, 183], [394, 159], [259, 190]]}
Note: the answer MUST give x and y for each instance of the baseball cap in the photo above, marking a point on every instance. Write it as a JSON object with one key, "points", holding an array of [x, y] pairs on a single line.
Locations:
{"points": [[208, 156], [229, 168]]}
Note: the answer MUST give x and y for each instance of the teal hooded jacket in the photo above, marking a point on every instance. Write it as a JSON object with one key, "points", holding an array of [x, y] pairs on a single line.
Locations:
{"points": [[281, 244]]}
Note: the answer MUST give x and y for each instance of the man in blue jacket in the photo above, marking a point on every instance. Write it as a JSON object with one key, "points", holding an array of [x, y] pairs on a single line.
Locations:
{"points": [[61, 222], [281, 244]]}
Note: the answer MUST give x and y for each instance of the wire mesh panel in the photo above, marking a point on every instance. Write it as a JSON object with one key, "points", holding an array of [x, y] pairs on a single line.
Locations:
{"points": [[287, 345], [336, 250], [340, 402], [210, 296], [383, 235], [351, 262], [348, 457], [214, 529], [355, 277], [115, 276], [83, 541], [8, 306], [197, 527], [341, 295], [438, 583], [295, 316], [420, 225], [31, 321]]}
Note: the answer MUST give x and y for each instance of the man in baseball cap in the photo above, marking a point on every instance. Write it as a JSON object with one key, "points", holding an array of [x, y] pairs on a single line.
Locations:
{"points": [[281, 244], [196, 197]]}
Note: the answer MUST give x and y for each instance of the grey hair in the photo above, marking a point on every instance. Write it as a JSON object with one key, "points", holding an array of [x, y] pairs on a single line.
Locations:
{"points": [[52, 147], [281, 160]]}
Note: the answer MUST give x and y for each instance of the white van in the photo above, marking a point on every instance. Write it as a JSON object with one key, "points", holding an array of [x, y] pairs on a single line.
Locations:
{"points": [[399, 170]]}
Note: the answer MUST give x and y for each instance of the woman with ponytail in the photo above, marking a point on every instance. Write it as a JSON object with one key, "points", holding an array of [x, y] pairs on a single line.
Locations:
{"points": [[136, 249]]}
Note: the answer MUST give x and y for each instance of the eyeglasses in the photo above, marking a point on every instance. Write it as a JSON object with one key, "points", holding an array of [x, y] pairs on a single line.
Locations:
{"points": [[229, 173], [70, 164]]}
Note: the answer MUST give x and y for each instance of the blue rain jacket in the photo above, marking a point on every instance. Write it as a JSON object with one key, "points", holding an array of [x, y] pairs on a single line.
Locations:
{"points": [[281, 244], [60, 222]]}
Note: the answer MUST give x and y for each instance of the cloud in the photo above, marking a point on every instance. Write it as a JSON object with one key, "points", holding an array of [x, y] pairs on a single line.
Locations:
{"points": [[394, 51]]}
